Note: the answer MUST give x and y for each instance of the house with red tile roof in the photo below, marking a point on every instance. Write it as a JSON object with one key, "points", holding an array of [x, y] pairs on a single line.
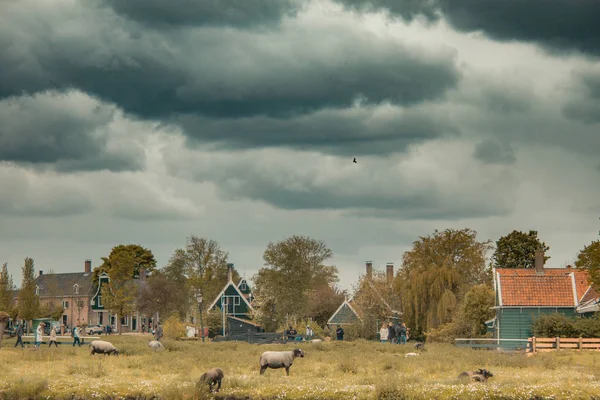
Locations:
{"points": [[522, 294]]}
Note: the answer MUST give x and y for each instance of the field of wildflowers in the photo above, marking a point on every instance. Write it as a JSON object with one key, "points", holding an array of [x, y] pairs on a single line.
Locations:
{"points": [[336, 370]]}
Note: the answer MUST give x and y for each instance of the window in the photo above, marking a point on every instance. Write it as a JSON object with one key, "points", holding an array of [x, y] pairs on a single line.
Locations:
{"points": [[243, 286], [80, 304], [37, 290], [76, 288], [100, 301], [124, 321], [236, 301], [65, 304]]}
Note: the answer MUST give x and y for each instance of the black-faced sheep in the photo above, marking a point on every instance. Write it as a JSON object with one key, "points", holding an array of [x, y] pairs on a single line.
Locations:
{"points": [[481, 375], [102, 347], [420, 346], [212, 377], [279, 359], [155, 345]]}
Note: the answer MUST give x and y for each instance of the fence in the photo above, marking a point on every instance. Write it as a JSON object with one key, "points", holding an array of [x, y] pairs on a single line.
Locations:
{"points": [[492, 344], [558, 343]]}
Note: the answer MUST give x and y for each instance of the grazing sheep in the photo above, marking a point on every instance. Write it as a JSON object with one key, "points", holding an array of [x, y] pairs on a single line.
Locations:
{"points": [[211, 377], [103, 347], [420, 346], [279, 359], [410, 355], [155, 345], [316, 340], [481, 375]]}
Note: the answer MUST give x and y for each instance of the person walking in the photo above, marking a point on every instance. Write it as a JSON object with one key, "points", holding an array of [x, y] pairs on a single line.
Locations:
{"points": [[403, 333], [383, 333], [339, 333], [391, 333], [39, 331], [52, 337], [159, 333], [76, 339], [20, 336], [309, 333]]}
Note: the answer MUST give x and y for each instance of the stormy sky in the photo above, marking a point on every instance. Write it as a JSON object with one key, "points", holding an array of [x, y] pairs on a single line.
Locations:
{"points": [[146, 121]]}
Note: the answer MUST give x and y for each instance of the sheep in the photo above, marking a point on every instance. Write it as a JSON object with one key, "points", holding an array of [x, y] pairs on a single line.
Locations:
{"points": [[279, 359], [155, 345], [481, 375], [103, 347], [410, 355], [316, 340], [211, 377], [420, 346]]}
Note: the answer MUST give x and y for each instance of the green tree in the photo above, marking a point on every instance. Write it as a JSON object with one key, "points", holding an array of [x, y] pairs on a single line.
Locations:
{"points": [[6, 289], [52, 308], [323, 300], [477, 308], [29, 302], [120, 294], [437, 273], [143, 258], [165, 295], [294, 267], [3, 319], [589, 259], [517, 250]]}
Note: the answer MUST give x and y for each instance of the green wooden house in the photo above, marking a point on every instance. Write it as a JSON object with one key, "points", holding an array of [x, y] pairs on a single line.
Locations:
{"points": [[236, 299], [523, 294]]}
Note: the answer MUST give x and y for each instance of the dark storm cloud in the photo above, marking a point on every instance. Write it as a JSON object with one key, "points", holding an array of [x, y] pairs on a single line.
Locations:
{"points": [[557, 25], [494, 152], [178, 13], [362, 131], [585, 103], [58, 131], [214, 72]]}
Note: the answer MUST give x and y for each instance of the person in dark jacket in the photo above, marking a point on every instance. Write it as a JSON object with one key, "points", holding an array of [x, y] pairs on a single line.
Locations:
{"points": [[391, 333], [159, 333], [402, 329], [339, 333], [19, 336]]}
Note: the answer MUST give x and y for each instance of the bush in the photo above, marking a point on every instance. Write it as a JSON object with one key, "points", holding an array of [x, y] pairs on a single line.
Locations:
{"points": [[448, 332], [553, 325], [173, 328]]}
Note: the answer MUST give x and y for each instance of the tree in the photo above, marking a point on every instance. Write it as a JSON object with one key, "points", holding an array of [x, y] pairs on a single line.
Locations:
{"points": [[589, 259], [294, 266], [6, 289], [143, 258], [376, 300], [477, 308], [517, 250], [29, 302], [323, 300], [120, 294], [3, 319], [437, 273], [51, 309], [165, 295]]}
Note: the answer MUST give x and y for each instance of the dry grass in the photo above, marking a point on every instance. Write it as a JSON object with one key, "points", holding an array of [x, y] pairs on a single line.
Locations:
{"points": [[346, 370]]}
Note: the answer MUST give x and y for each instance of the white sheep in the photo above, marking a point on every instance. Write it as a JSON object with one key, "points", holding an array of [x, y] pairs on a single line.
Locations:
{"points": [[279, 359], [410, 355], [155, 345], [103, 347]]}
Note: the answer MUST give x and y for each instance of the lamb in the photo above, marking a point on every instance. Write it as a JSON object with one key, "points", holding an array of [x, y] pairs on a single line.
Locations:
{"points": [[211, 377], [420, 346], [103, 347], [155, 345], [279, 359], [410, 355], [481, 375]]}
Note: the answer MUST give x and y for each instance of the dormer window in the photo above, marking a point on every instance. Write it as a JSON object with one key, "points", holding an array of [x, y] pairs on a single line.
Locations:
{"points": [[76, 289], [37, 290], [243, 286]]}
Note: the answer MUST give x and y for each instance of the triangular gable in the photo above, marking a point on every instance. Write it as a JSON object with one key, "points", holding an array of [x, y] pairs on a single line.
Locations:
{"points": [[385, 303], [342, 311], [230, 283], [102, 275]]}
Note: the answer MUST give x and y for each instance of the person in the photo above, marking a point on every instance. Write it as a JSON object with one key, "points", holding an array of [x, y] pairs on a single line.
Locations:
{"points": [[38, 334], [76, 336], [143, 328], [407, 334], [159, 333], [402, 332], [290, 333], [391, 333], [20, 336], [339, 333], [383, 333], [52, 337], [309, 333]]}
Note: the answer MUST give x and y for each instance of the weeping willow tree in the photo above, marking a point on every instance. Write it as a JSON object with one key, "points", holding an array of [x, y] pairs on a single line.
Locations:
{"points": [[437, 273]]}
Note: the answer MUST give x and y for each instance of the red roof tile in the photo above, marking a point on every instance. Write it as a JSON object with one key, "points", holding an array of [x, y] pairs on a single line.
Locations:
{"points": [[537, 290], [591, 294]]}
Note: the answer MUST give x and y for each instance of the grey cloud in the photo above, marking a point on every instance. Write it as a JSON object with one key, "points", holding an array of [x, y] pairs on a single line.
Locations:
{"points": [[213, 72], [178, 13], [494, 152], [356, 131], [558, 25], [67, 132], [584, 104]]}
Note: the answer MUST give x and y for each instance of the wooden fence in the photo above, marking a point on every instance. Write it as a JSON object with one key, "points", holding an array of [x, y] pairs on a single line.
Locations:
{"points": [[535, 344]]}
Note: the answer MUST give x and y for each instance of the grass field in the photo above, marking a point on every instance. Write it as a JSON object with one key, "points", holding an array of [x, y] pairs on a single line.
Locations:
{"points": [[336, 370]]}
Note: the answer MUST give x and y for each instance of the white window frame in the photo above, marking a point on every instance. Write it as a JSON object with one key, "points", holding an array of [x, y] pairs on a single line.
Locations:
{"points": [[37, 290], [100, 301], [65, 304], [243, 286], [236, 301], [126, 319], [76, 289]]}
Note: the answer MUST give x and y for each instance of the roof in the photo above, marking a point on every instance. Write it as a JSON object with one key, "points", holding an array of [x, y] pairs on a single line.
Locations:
{"points": [[345, 314], [562, 287], [62, 284], [245, 321], [232, 284]]}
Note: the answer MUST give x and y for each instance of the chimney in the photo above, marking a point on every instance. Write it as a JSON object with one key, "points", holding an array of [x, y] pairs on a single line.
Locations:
{"points": [[88, 266], [390, 273], [369, 270], [42, 273], [229, 271], [142, 274], [539, 262]]}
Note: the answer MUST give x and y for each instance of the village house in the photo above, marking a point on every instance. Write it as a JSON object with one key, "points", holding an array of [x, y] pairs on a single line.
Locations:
{"points": [[523, 294]]}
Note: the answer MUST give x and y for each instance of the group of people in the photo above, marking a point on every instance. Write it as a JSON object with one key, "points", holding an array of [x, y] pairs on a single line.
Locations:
{"points": [[39, 333], [292, 334], [390, 333]]}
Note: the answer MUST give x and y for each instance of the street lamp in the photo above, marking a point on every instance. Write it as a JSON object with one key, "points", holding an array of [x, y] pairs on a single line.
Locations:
{"points": [[199, 300]]}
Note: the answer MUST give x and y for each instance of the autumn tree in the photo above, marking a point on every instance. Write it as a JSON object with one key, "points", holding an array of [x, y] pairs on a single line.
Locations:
{"points": [[517, 250], [323, 300], [294, 267], [29, 302], [3, 320], [437, 273], [52, 309], [589, 259], [164, 293], [6, 289], [120, 294], [142, 258]]}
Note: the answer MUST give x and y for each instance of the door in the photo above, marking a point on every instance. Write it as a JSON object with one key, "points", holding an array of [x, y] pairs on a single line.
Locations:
{"points": [[133, 323]]}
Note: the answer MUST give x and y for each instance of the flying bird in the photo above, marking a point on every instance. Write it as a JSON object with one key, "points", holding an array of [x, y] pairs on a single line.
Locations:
{"points": [[354, 161]]}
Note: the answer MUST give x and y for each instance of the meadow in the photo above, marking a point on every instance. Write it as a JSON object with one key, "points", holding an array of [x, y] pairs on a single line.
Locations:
{"points": [[335, 370]]}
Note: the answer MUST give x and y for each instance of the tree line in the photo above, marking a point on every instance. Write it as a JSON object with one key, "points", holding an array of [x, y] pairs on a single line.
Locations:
{"points": [[443, 287]]}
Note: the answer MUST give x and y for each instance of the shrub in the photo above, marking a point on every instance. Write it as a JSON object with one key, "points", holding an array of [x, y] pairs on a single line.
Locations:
{"points": [[552, 325], [173, 328]]}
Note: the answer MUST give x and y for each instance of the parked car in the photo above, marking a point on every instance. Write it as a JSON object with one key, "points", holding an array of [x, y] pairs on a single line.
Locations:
{"points": [[94, 330]]}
